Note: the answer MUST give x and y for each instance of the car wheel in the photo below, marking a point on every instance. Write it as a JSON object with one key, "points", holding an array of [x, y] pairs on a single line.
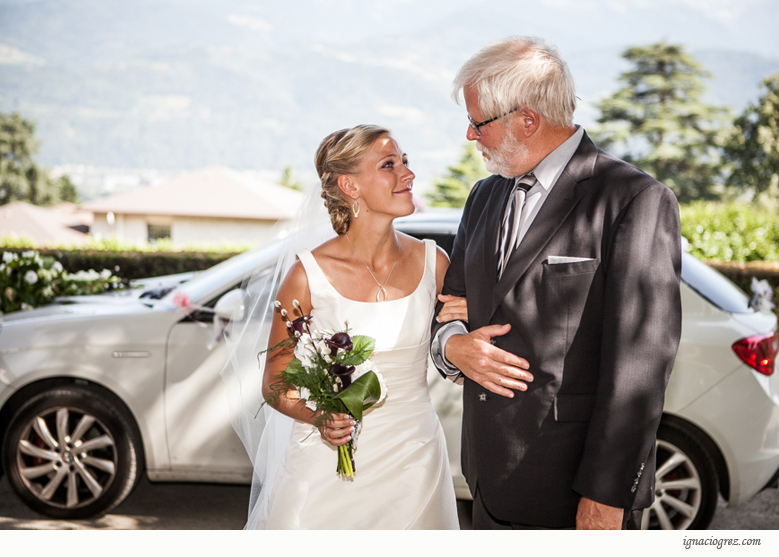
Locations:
{"points": [[72, 452], [686, 484]]}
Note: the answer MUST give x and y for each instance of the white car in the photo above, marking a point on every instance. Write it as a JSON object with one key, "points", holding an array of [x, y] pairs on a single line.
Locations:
{"points": [[95, 391]]}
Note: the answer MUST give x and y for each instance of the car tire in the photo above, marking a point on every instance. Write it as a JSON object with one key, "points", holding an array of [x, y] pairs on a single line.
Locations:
{"points": [[72, 452], [686, 484]]}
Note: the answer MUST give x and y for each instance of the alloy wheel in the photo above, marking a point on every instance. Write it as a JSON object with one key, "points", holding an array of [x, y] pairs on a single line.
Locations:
{"points": [[678, 490], [66, 457]]}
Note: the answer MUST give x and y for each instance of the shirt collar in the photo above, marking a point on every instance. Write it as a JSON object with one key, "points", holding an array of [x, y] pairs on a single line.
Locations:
{"points": [[548, 170]]}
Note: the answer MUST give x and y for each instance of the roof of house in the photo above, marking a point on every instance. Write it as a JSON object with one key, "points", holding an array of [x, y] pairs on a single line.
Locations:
{"points": [[215, 192], [43, 225]]}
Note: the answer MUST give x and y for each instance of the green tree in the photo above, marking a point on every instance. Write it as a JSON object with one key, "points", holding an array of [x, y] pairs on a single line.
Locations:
{"points": [[752, 150], [17, 145], [658, 122], [452, 190], [20, 178], [67, 189], [288, 180]]}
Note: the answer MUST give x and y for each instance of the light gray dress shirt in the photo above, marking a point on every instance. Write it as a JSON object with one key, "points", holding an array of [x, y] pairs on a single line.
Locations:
{"points": [[547, 173]]}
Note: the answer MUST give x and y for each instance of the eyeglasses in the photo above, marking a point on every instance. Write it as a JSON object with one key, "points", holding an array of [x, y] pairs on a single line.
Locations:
{"points": [[476, 125]]}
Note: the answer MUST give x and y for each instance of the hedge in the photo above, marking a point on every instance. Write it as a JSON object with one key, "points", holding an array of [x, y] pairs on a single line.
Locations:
{"points": [[131, 265], [739, 239], [730, 231]]}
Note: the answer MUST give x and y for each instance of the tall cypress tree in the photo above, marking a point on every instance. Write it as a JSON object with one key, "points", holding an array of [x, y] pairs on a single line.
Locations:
{"points": [[452, 190], [752, 150], [658, 122]]}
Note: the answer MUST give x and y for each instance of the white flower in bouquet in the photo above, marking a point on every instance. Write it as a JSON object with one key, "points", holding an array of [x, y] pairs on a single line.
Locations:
{"points": [[31, 277], [57, 267], [305, 394], [305, 351], [28, 254], [321, 345], [105, 273], [9, 256]]}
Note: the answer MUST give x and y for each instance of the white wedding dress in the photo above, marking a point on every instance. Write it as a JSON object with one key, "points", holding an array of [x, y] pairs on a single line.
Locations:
{"points": [[402, 478]]}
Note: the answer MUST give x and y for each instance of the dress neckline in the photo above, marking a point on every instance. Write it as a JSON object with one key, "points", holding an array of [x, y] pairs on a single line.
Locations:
{"points": [[333, 288]]}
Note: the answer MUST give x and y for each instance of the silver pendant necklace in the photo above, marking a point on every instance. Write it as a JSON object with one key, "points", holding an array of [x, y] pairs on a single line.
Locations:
{"points": [[382, 290]]}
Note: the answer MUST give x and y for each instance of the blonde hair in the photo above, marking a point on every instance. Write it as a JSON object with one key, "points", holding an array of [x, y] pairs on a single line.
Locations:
{"points": [[339, 153], [520, 72]]}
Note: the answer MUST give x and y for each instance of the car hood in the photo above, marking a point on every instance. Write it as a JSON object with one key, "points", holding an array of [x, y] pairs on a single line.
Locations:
{"points": [[79, 307]]}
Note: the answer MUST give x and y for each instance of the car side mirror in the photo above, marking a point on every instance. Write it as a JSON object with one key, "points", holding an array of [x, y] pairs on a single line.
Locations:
{"points": [[232, 305]]}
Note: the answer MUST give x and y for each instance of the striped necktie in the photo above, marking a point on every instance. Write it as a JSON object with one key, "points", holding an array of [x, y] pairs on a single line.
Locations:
{"points": [[512, 221]]}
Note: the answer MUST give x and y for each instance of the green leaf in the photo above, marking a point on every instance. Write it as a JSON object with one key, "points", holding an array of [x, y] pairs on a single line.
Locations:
{"points": [[294, 368], [362, 349], [361, 394]]}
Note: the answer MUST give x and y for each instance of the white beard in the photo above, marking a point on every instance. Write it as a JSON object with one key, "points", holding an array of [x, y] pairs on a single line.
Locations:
{"points": [[505, 158]]}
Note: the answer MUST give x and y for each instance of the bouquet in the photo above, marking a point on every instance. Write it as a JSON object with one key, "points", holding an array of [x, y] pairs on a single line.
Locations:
{"points": [[332, 373]]}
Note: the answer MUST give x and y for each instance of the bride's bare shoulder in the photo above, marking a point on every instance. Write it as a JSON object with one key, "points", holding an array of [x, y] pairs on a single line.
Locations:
{"points": [[411, 243], [330, 251]]}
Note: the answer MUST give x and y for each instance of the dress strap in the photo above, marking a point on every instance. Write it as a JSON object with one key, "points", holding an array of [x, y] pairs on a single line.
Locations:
{"points": [[431, 258], [318, 285]]}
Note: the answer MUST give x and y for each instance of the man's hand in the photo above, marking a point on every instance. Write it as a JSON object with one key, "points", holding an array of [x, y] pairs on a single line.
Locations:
{"points": [[492, 368], [592, 515]]}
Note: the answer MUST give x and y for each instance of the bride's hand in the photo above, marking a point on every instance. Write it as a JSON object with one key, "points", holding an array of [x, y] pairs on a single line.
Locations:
{"points": [[338, 429], [454, 308]]}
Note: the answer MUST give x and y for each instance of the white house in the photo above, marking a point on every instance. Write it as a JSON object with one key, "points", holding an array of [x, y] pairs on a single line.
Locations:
{"points": [[213, 205]]}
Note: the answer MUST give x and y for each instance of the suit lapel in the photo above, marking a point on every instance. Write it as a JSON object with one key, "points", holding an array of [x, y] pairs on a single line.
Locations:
{"points": [[561, 200]]}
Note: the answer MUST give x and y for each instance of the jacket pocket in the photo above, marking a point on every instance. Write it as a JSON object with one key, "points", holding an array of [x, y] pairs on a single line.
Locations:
{"points": [[573, 268], [573, 408]]}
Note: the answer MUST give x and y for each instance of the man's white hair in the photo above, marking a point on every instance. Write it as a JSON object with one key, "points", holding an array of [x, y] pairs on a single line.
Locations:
{"points": [[520, 72]]}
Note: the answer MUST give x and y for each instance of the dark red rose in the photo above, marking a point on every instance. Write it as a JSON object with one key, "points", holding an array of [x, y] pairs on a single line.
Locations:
{"points": [[338, 341], [343, 372]]}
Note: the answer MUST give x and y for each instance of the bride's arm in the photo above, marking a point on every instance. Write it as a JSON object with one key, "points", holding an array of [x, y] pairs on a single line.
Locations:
{"points": [[454, 308], [337, 430]]}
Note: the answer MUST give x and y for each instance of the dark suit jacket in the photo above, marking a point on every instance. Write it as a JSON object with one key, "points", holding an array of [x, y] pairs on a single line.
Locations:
{"points": [[600, 336]]}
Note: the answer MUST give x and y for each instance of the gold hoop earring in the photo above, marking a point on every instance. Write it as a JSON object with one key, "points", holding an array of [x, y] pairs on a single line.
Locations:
{"points": [[356, 208]]}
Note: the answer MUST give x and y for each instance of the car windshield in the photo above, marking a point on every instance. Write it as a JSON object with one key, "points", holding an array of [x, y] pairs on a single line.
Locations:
{"points": [[714, 286], [226, 274]]}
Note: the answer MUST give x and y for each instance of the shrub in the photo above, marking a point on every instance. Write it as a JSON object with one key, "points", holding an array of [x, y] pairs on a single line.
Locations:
{"points": [[30, 280], [730, 231]]}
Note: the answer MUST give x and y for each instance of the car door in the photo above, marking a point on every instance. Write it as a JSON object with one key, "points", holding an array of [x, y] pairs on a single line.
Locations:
{"points": [[202, 443]]}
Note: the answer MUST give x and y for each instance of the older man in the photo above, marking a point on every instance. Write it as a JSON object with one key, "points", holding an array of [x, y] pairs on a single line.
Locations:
{"points": [[569, 259]]}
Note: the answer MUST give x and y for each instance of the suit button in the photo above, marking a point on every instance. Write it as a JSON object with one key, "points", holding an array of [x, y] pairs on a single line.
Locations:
{"points": [[482, 397], [493, 341]]}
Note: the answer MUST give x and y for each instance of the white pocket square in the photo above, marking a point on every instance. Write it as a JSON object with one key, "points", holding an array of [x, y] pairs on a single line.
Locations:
{"points": [[557, 259]]}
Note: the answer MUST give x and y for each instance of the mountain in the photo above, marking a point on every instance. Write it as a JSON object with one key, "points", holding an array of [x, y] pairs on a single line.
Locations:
{"points": [[175, 84]]}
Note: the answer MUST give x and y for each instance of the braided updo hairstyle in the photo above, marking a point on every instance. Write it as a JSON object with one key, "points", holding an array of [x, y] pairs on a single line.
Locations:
{"points": [[339, 153]]}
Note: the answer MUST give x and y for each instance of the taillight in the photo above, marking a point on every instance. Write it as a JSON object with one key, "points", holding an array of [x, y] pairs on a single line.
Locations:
{"points": [[759, 352]]}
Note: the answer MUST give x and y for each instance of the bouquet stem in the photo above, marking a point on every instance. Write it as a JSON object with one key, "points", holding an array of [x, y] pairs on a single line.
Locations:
{"points": [[346, 460]]}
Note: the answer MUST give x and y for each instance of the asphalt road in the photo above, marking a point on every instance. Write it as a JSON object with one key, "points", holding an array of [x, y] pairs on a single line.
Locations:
{"points": [[223, 507]]}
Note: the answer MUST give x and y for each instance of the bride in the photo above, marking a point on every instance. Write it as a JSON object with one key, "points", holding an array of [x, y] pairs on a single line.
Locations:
{"points": [[383, 284]]}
